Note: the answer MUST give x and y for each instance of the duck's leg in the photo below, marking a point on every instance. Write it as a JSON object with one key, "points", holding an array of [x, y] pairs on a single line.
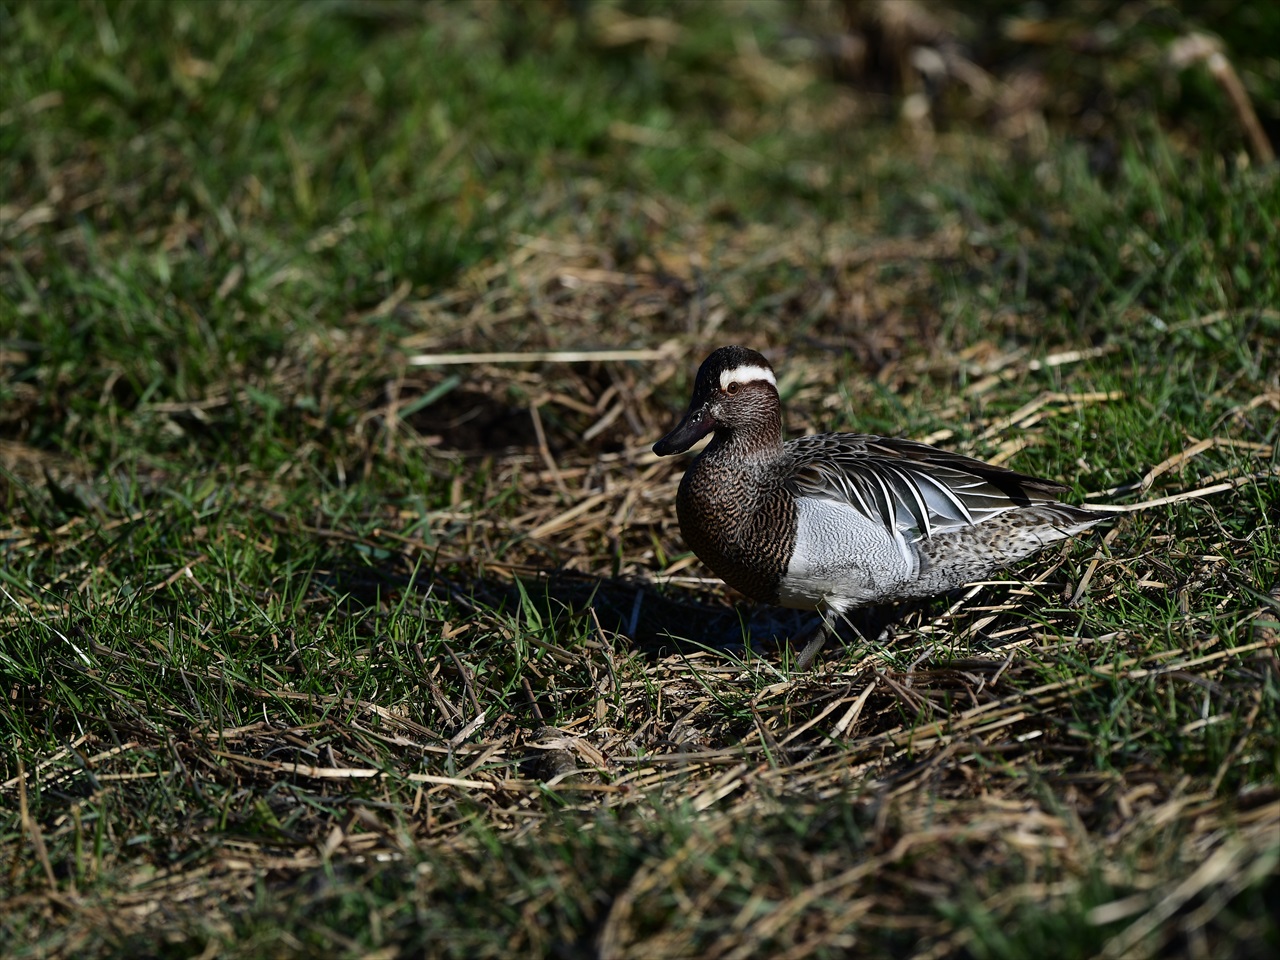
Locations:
{"points": [[813, 645], [829, 613]]}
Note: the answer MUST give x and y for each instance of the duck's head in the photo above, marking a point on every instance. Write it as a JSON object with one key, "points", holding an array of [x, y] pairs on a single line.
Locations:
{"points": [[735, 394]]}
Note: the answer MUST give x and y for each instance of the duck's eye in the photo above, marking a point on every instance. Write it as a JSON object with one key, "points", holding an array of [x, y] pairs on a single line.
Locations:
{"points": [[733, 388]]}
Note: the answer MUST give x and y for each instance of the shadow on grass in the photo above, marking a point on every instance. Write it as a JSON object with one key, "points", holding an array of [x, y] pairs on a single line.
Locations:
{"points": [[473, 421], [655, 620], [661, 620]]}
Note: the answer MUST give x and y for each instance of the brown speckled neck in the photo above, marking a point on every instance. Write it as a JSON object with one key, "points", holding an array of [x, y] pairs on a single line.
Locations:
{"points": [[757, 441]]}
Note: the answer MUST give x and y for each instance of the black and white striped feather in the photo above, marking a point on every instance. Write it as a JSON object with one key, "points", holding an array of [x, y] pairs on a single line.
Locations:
{"points": [[912, 488]]}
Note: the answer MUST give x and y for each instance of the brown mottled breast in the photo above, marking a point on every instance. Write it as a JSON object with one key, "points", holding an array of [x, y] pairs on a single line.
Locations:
{"points": [[741, 523]]}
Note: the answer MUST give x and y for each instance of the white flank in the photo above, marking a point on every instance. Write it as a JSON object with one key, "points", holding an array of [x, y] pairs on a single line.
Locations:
{"points": [[842, 556], [747, 373]]}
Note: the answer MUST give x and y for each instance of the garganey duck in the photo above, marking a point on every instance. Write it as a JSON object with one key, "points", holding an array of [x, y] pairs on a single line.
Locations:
{"points": [[841, 520]]}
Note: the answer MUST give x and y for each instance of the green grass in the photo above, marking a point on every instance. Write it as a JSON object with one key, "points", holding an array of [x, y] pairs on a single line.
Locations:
{"points": [[303, 650]]}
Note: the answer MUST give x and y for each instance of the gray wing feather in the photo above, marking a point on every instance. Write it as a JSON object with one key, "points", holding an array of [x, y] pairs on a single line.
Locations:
{"points": [[910, 487]]}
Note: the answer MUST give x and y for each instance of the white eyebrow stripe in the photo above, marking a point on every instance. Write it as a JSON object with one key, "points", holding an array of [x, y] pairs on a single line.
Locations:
{"points": [[746, 373]]}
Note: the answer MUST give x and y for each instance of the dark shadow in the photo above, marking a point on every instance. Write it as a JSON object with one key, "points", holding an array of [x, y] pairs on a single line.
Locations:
{"points": [[655, 620], [474, 422], [660, 620]]}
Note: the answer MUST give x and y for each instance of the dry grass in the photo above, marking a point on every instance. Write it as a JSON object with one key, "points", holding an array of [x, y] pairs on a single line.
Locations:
{"points": [[961, 750]]}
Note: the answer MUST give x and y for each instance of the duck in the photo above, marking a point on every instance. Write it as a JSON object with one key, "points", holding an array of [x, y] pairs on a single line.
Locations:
{"points": [[835, 521]]}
